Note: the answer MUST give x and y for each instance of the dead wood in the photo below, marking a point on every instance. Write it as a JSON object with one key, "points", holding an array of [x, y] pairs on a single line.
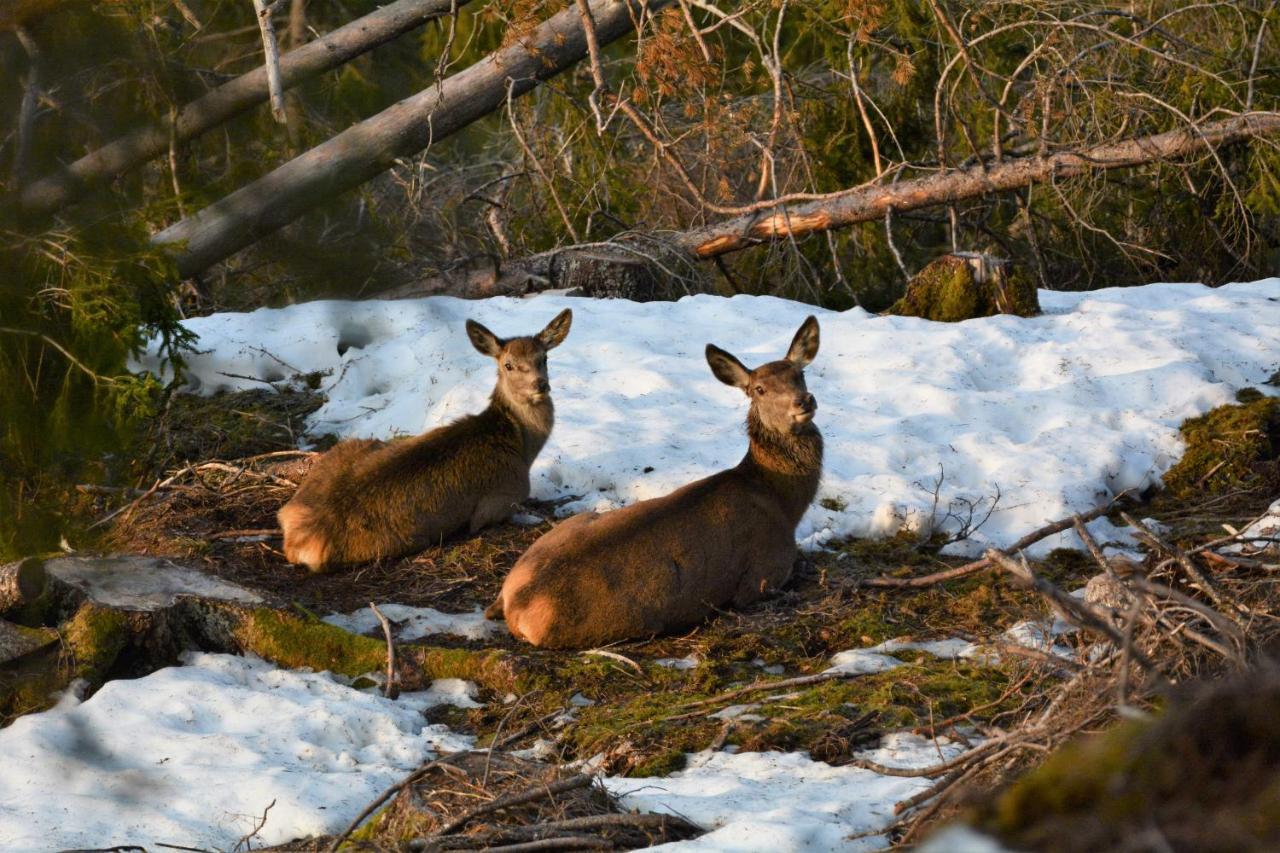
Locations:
{"points": [[372, 146], [986, 563], [871, 203], [229, 100]]}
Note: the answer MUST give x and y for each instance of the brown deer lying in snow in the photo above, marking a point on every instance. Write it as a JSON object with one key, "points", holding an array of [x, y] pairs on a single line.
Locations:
{"points": [[666, 564], [367, 499]]}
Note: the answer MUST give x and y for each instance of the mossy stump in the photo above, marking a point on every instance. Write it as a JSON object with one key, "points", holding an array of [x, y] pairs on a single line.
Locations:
{"points": [[966, 285]]}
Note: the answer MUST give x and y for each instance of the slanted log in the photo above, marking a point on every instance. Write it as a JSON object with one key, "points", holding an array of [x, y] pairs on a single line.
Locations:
{"points": [[230, 100], [372, 146], [871, 203]]}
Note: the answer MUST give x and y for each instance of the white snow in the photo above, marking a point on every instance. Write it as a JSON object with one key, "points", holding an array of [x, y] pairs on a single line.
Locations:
{"points": [[756, 801], [193, 755], [1261, 538], [1058, 412], [414, 623], [1039, 635]]}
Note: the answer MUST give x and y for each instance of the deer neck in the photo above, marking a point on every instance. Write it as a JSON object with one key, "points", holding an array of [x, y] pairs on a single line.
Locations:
{"points": [[533, 421], [789, 462]]}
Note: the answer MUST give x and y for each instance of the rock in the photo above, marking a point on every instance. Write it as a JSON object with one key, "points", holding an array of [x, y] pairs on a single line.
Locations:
{"points": [[967, 285]]}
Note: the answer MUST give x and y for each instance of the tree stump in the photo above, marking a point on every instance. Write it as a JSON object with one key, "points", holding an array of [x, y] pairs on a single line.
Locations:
{"points": [[966, 285]]}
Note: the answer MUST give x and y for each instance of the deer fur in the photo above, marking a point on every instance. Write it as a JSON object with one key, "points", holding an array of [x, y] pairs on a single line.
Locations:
{"points": [[367, 499], [667, 564]]}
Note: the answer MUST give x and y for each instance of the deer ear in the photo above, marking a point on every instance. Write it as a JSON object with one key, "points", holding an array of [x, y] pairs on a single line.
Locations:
{"points": [[556, 331], [483, 339], [804, 346], [727, 368]]}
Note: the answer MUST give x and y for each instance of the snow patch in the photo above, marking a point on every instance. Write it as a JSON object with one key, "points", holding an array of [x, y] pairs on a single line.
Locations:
{"points": [[755, 801], [193, 755], [1059, 412], [414, 623]]}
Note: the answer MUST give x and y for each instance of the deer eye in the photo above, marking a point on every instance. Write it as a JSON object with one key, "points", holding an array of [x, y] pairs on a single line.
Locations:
{"points": [[759, 389], [509, 366]]}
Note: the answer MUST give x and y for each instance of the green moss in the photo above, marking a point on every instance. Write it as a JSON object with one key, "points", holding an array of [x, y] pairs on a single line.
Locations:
{"points": [[95, 637], [661, 764], [1230, 448], [296, 641], [947, 292]]}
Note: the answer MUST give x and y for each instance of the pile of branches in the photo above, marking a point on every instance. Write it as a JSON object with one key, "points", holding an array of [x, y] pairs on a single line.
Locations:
{"points": [[1143, 628], [496, 801], [210, 500]]}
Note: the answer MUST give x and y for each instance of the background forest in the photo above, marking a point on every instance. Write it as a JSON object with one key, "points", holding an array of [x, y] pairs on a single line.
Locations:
{"points": [[711, 112]]}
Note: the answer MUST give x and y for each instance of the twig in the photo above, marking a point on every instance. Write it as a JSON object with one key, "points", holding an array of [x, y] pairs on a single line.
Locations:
{"points": [[1078, 611], [1192, 571], [379, 800], [245, 840], [391, 689], [591, 822], [539, 792], [985, 563], [755, 687], [615, 656], [565, 842]]}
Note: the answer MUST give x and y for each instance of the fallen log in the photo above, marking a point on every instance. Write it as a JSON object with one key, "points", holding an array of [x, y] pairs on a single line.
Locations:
{"points": [[371, 147], [127, 615], [230, 100], [871, 203]]}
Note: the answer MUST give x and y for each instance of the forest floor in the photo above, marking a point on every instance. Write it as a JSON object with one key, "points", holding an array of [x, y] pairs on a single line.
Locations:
{"points": [[828, 715]]}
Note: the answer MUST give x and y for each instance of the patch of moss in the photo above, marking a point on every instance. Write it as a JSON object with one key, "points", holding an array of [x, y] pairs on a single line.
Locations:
{"points": [[95, 637], [1230, 448], [947, 291], [297, 641]]}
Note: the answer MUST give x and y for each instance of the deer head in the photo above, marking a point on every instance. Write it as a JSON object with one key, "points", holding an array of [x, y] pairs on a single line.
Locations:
{"points": [[780, 401], [522, 361]]}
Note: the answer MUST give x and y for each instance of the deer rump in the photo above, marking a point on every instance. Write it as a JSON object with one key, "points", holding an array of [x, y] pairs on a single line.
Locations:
{"points": [[657, 566]]}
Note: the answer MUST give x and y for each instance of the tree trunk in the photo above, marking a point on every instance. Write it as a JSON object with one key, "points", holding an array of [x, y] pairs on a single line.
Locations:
{"points": [[372, 146], [230, 100], [866, 204]]}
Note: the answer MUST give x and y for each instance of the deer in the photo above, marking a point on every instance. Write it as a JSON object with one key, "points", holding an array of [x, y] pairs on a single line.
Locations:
{"points": [[667, 564], [367, 499]]}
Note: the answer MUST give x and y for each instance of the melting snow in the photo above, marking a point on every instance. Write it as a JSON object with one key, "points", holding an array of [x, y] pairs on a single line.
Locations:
{"points": [[756, 801], [1058, 412], [193, 755], [414, 623]]}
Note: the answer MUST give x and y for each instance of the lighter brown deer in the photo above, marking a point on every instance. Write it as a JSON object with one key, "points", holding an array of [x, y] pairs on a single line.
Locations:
{"points": [[667, 564], [367, 499]]}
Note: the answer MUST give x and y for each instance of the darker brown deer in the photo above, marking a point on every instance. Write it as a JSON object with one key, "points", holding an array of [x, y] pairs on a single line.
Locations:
{"points": [[667, 564], [367, 499]]}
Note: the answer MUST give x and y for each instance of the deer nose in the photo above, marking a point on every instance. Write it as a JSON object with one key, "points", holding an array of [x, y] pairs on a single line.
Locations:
{"points": [[544, 387], [807, 403]]}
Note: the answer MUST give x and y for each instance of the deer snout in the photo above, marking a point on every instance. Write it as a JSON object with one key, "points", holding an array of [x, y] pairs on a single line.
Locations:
{"points": [[543, 386], [807, 404]]}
